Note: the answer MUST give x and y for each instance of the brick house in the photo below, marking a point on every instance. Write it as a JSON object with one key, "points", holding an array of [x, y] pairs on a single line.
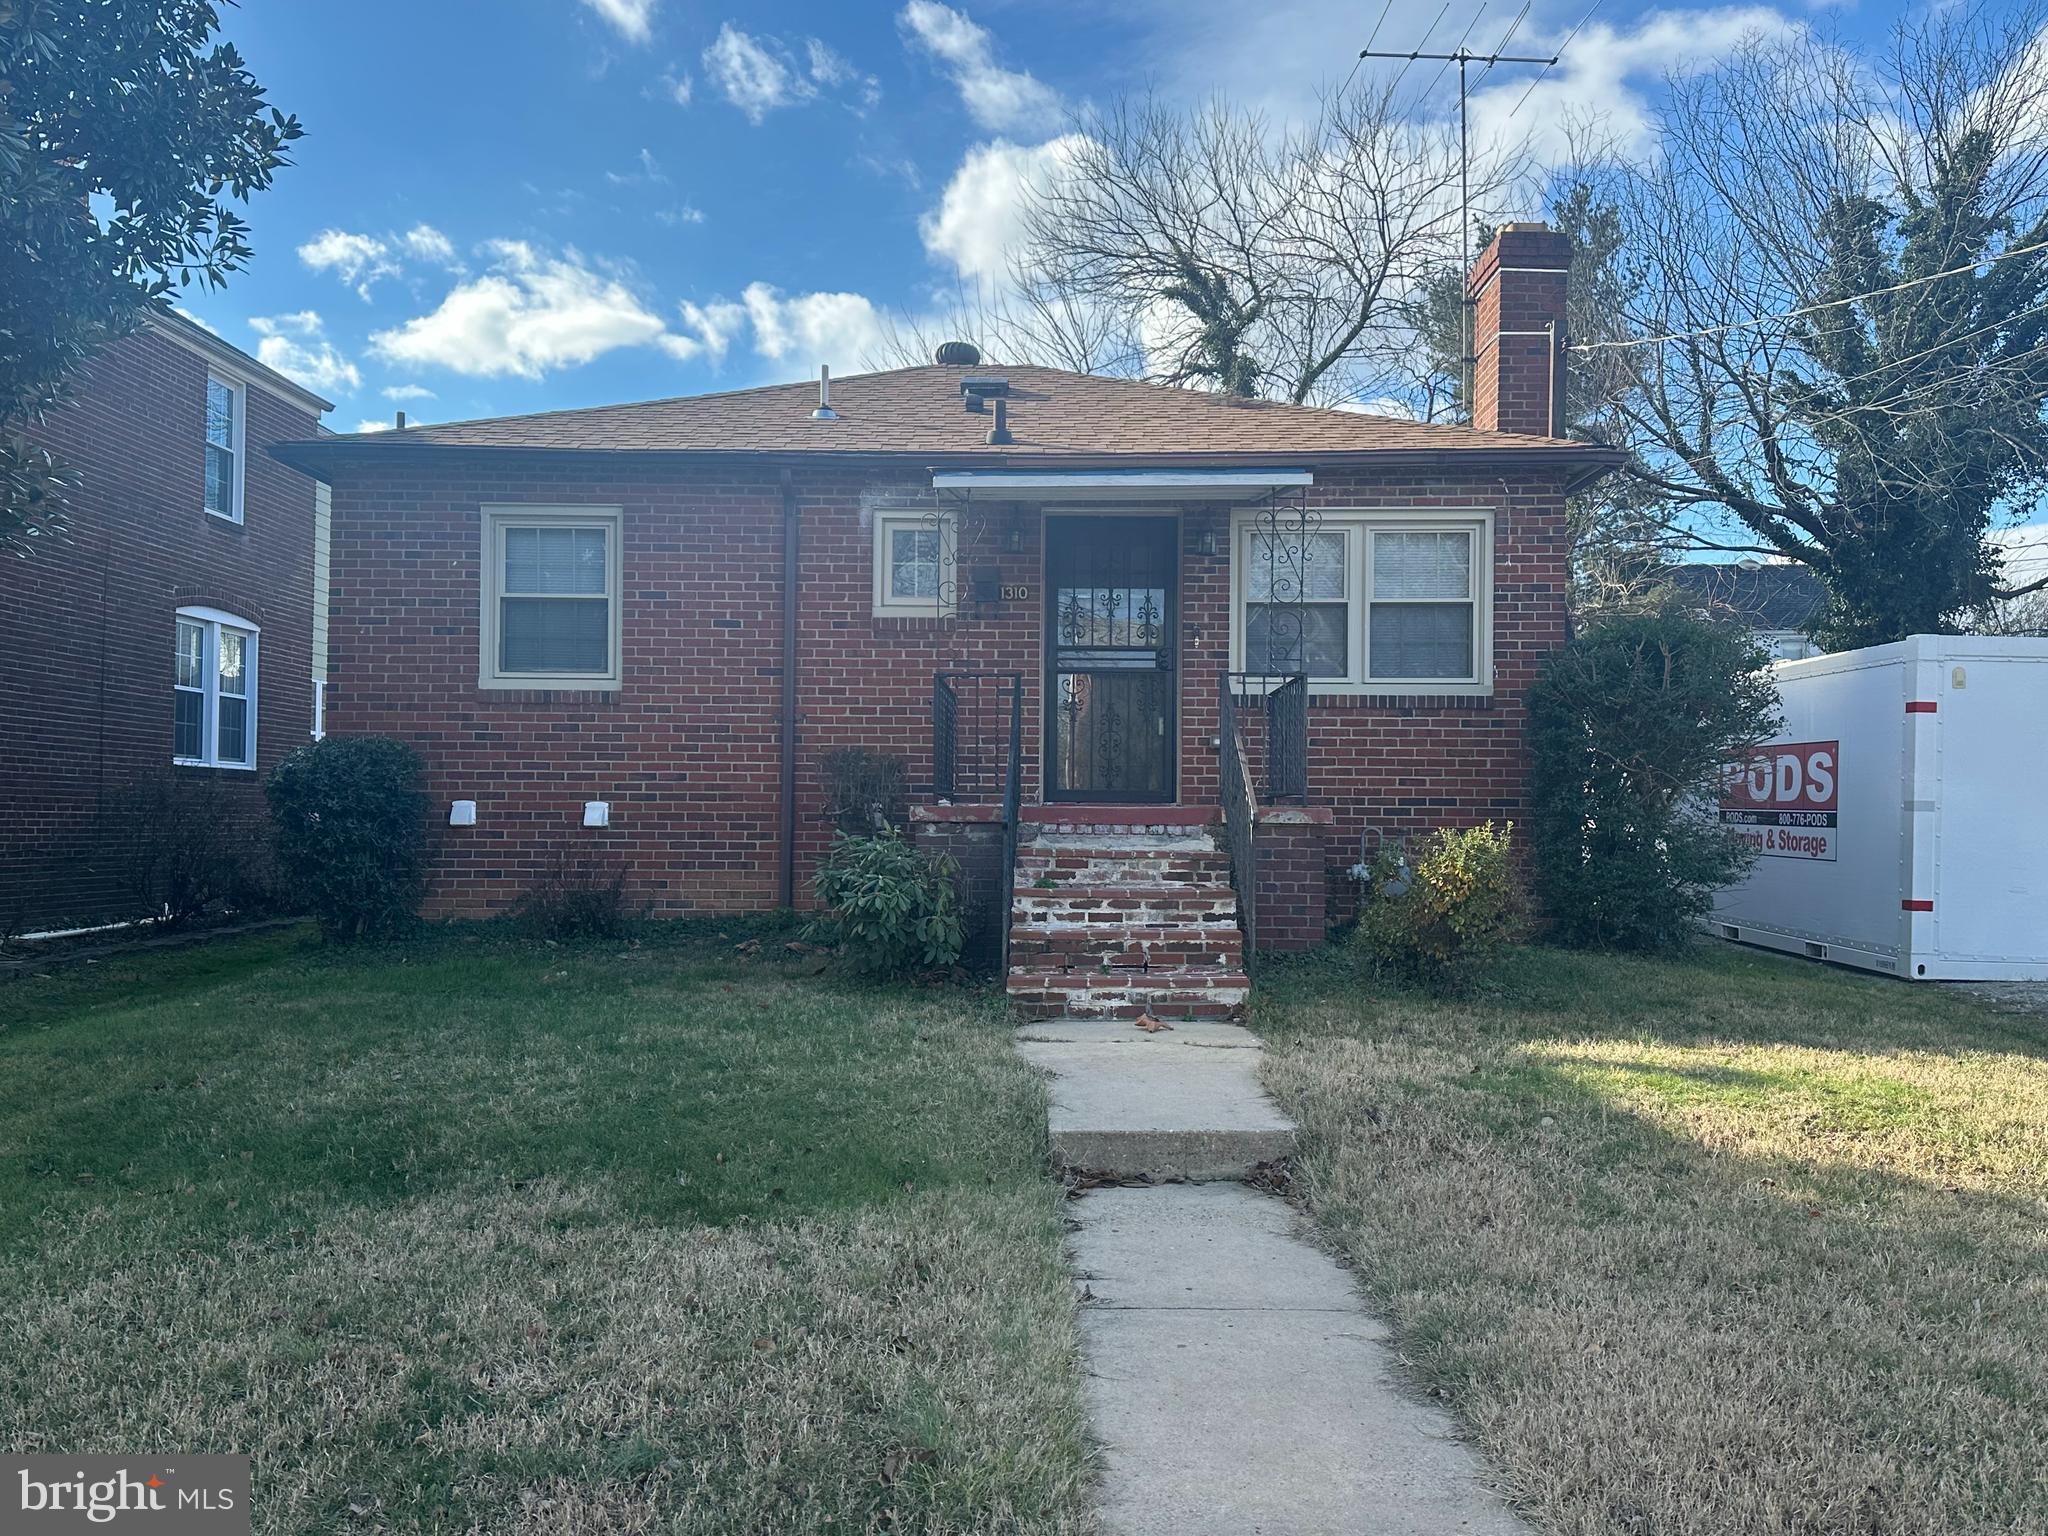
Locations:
{"points": [[166, 640], [633, 632]]}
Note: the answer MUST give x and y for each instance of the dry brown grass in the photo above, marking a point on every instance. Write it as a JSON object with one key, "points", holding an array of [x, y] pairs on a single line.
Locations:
{"points": [[1714, 1245]]}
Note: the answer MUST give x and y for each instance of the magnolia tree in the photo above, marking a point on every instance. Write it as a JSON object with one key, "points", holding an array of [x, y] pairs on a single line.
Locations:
{"points": [[124, 130]]}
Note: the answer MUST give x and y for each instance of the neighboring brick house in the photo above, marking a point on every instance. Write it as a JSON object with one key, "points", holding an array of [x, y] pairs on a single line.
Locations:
{"points": [[167, 635], [676, 609]]}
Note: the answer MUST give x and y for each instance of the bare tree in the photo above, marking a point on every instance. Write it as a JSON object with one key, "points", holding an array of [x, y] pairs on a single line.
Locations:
{"points": [[1838, 349], [1249, 259]]}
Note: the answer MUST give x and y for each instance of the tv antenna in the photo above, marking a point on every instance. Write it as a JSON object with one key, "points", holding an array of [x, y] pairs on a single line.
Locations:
{"points": [[1464, 58]]}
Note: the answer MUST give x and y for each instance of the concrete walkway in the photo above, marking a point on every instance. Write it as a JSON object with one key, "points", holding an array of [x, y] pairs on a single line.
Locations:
{"points": [[1235, 1382]]}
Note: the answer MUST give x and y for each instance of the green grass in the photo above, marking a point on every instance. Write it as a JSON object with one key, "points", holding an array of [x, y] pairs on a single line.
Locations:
{"points": [[477, 1234], [1717, 1243]]}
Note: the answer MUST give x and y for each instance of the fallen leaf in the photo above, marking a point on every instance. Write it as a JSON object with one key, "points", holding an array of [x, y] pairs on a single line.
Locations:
{"points": [[1150, 1025]]}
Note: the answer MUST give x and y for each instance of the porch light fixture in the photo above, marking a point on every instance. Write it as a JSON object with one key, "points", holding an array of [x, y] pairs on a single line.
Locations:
{"points": [[1207, 544]]}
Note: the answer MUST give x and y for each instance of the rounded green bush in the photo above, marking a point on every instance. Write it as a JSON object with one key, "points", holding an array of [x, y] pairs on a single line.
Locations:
{"points": [[349, 817]]}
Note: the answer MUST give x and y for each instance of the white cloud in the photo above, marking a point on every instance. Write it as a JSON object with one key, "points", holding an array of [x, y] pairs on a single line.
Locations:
{"points": [[682, 213], [429, 244], [828, 67], [632, 19], [1603, 76], [680, 87], [530, 314], [979, 217], [760, 74], [406, 392], [1001, 100], [708, 330], [649, 173], [359, 260], [757, 75], [369, 425], [841, 329], [296, 345]]}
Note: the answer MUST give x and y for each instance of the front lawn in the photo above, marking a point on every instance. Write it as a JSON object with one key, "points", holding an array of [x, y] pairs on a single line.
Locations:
{"points": [[470, 1234], [1719, 1244]]}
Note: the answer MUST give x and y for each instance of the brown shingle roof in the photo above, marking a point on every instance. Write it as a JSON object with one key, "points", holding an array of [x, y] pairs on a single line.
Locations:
{"points": [[918, 412]]}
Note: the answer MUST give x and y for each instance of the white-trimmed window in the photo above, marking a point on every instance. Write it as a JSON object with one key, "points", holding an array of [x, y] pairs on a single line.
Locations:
{"points": [[226, 413], [1367, 602], [915, 575], [213, 722], [550, 597]]}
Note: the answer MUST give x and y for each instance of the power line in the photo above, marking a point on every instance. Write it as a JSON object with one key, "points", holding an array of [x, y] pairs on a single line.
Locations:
{"points": [[1551, 63], [1806, 309]]}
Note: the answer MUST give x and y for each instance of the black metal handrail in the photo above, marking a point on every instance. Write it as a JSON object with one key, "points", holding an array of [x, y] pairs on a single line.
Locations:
{"points": [[1273, 736], [1240, 814], [970, 770]]}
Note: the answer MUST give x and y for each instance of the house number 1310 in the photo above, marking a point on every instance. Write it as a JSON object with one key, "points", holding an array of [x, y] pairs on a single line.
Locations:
{"points": [[1017, 594]]}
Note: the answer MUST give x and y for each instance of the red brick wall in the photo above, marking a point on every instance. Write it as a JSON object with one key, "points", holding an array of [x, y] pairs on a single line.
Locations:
{"points": [[87, 623], [1518, 317], [686, 749]]}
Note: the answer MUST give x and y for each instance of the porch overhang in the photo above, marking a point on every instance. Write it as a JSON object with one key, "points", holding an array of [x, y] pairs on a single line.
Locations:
{"points": [[1118, 485]]}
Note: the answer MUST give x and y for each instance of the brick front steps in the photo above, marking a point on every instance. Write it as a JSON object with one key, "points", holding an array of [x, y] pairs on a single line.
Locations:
{"points": [[1113, 918]]}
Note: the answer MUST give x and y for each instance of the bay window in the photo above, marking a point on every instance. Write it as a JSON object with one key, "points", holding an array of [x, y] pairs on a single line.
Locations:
{"points": [[1366, 602], [213, 720]]}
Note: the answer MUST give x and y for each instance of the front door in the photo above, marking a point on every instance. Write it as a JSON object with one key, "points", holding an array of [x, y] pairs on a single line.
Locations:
{"points": [[1111, 596]]}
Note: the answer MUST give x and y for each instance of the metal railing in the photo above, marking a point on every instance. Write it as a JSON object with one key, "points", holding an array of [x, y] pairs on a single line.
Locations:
{"points": [[978, 757], [1262, 722]]}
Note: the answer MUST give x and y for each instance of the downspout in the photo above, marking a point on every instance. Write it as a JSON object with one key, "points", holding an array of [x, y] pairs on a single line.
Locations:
{"points": [[791, 549]]}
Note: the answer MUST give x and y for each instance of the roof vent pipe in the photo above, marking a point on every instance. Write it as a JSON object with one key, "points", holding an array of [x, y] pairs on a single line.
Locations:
{"points": [[824, 412], [1000, 432]]}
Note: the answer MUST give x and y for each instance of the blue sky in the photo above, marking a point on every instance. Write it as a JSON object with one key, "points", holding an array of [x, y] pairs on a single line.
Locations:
{"points": [[538, 204]]}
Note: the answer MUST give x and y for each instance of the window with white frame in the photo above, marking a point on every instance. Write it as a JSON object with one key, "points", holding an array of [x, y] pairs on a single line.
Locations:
{"points": [[550, 597], [226, 404], [1366, 602], [213, 722], [914, 565]]}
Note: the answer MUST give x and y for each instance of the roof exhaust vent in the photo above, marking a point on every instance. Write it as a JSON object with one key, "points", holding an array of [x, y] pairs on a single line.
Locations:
{"points": [[974, 389], [957, 354], [1000, 432], [824, 412]]}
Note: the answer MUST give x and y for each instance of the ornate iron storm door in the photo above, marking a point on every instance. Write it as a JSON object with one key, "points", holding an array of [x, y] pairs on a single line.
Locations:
{"points": [[1112, 591]]}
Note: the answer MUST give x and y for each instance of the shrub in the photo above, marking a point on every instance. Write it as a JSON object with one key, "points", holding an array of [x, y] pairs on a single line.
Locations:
{"points": [[865, 791], [184, 844], [577, 897], [1631, 726], [889, 904], [1432, 918], [349, 818]]}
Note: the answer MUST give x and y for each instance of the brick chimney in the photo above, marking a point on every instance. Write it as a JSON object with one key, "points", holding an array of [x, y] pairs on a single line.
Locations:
{"points": [[1517, 292]]}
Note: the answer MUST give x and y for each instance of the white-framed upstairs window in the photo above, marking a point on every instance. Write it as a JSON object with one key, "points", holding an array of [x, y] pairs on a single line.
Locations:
{"points": [[1366, 601], [915, 573], [551, 580], [213, 720], [227, 407]]}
